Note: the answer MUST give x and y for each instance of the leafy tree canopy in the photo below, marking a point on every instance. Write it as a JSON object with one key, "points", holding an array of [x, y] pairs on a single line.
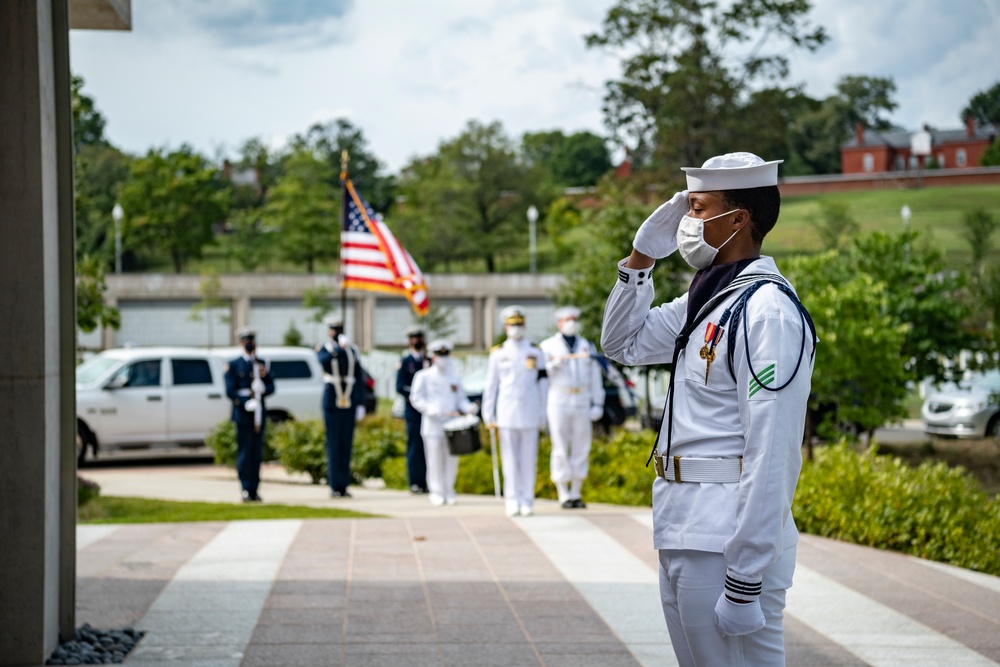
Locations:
{"points": [[577, 160], [985, 106], [88, 123]]}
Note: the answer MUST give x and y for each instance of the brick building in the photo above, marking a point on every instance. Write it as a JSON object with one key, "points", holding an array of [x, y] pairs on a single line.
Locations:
{"points": [[872, 152]]}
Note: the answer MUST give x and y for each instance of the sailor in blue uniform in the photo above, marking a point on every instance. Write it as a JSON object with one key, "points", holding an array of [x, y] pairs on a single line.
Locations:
{"points": [[413, 360], [343, 404], [248, 381]]}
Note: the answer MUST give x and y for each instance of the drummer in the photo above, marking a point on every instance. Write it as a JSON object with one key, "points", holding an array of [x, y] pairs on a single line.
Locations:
{"points": [[437, 394]]}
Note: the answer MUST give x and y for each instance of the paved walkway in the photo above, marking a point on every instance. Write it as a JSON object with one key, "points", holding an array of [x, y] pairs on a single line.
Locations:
{"points": [[466, 586]]}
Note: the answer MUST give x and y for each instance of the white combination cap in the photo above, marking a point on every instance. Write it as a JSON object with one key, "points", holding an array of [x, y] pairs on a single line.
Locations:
{"points": [[334, 321], [732, 171], [438, 346], [414, 330], [246, 333], [512, 315], [567, 311]]}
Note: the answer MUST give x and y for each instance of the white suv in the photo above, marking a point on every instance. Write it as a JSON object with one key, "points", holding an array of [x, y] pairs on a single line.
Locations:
{"points": [[173, 396]]}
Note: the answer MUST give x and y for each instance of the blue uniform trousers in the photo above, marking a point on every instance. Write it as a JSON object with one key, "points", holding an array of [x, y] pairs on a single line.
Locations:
{"points": [[339, 442], [416, 460], [249, 452]]}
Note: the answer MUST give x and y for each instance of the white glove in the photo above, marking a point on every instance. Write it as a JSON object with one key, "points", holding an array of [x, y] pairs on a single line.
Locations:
{"points": [[359, 413], [657, 236], [472, 409], [250, 405], [258, 387], [734, 619], [596, 412]]}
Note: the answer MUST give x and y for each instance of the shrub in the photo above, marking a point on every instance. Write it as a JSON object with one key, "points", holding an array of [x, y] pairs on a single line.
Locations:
{"points": [[931, 511], [222, 441], [86, 490], [301, 447], [377, 438]]}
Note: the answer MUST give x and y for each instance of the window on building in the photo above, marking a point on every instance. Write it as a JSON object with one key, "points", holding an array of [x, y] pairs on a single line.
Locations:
{"points": [[940, 160], [960, 157], [914, 162], [868, 162], [900, 163]]}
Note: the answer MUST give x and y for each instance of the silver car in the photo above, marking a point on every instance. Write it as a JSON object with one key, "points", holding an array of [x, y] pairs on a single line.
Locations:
{"points": [[972, 412]]}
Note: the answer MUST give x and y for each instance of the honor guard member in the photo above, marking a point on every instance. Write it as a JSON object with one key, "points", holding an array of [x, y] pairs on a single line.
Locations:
{"points": [[413, 360], [343, 404], [248, 381], [514, 403], [437, 394], [728, 453], [576, 398]]}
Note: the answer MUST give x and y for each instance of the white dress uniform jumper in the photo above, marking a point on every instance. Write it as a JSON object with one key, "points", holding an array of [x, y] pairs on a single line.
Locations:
{"points": [[514, 399], [575, 393]]}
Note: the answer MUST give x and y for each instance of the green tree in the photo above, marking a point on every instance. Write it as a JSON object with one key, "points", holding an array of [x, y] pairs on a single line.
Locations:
{"points": [[978, 228], [210, 288], [577, 160], [468, 200], [88, 122], [985, 106], [305, 208], [835, 222], [171, 202], [686, 70], [248, 242], [91, 310], [99, 174], [991, 158]]}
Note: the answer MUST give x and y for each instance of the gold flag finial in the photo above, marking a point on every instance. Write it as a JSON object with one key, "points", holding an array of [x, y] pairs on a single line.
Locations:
{"points": [[343, 164]]}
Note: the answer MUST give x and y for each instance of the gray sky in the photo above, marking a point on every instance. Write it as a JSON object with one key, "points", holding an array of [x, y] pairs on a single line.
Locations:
{"points": [[411, 74]]}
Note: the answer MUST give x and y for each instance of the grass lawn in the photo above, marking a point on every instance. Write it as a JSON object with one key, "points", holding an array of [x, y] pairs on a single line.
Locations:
{"points": [[112, 509]]}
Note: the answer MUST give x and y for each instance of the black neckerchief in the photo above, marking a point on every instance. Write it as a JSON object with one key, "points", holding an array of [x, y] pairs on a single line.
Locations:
{"points": [[570, 341], [709, 282]]}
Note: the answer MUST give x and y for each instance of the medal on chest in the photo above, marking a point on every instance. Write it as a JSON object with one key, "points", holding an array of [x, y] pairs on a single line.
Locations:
{"points": [[713, 334]]}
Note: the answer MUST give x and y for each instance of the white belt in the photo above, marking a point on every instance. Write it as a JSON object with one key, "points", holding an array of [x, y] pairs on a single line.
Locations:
{"points": [[244, 392], [689, 469]]}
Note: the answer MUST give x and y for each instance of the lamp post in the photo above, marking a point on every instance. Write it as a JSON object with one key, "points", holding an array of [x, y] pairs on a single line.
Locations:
{"points": [[905, 213], [117, 214], [532, 219]]}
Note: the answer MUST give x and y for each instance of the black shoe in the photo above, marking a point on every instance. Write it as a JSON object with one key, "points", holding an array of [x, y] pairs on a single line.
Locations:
{"points": [[254, 497], [579, 504], [568, 504], [340, 494]]}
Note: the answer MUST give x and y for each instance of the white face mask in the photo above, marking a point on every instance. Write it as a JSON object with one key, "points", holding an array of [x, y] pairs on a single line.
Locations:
{"points": [[443, 364], [515, 332], [569, 327], [691, 241]]}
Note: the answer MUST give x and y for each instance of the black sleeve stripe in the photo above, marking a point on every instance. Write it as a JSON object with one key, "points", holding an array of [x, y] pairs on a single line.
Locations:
{"points": [[623, 276]]}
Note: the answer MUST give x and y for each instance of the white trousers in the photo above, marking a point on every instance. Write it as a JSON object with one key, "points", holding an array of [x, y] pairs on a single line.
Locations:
{"points": [[442, 468], [690, 585], [571, 433], [519, 458]]}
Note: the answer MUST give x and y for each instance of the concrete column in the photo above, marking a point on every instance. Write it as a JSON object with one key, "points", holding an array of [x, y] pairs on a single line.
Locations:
{"points": [[489, 319], [478, 341], [37, 412]]}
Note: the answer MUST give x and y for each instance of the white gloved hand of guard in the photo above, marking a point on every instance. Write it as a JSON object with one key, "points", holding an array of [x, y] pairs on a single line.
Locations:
{"points": [[258, 387], [734, 619], [657, 236], [472, 409], [596, 412], [359, 413]]}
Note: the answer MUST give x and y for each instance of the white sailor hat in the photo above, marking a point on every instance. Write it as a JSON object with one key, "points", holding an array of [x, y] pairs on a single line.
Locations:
{"points": [[567, 311], [246, 333], [512, 315], [414, 330], [334, 322], [732, 171], [439, 347]]}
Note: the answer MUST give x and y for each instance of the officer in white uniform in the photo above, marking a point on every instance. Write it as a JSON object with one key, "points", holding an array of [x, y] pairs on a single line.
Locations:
{"points": [[729, 450], [514, 403], [576, 398], [437, 394]]}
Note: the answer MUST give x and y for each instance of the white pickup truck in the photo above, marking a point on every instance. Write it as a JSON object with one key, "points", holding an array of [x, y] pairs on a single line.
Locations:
{"points": [[145, 397]]}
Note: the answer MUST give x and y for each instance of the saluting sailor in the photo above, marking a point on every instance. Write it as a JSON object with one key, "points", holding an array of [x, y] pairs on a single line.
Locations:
{"points": [[343, 403], [514, 403], [437, 394], [248, 381], [728, 453], [576, 398]]}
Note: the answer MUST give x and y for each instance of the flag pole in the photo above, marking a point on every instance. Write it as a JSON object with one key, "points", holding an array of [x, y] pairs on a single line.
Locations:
{"points": [[343, 228]]}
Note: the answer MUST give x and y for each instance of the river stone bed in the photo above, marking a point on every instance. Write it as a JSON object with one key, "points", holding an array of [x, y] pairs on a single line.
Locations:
{"points": [[96, 647]]}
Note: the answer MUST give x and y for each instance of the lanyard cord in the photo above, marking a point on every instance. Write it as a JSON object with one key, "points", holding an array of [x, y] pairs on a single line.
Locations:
{"points": [[739, 307]]}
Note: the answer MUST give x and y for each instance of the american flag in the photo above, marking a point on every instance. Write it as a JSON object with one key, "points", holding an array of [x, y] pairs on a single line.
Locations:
{"points": [[371, 257]]}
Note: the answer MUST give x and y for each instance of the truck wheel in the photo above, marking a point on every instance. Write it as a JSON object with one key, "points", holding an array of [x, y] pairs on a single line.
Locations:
{"points": [[82, 443], [993, 429]]}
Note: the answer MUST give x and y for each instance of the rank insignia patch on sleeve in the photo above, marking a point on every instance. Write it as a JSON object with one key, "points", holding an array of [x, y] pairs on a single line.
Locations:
{"points": [[757, 388], [623, 276]]}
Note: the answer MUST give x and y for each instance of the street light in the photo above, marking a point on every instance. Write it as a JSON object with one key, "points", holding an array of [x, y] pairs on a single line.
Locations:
{"points": [[532, 219], [905, 213], [117, 214]]}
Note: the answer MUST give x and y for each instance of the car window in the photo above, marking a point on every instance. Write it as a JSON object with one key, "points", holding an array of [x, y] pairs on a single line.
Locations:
{"points": [[145, 373], [295, 369], [191, 371], [989, 382], [94, 368]]}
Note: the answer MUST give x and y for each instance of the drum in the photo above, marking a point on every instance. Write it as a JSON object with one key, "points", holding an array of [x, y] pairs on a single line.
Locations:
{"points": [[463, 434]]}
